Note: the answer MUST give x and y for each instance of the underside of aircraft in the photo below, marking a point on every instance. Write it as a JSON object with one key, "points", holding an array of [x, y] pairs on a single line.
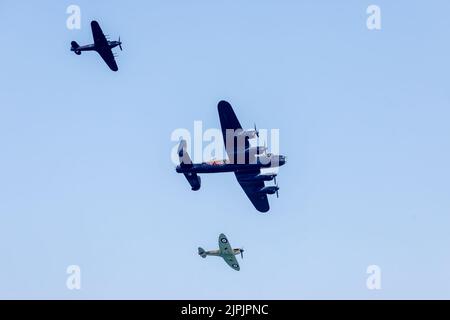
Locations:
{"points": [[246, 162], [101, 44]]}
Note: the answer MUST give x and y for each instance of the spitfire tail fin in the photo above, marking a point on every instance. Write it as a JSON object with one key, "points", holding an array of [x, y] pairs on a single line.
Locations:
{"points": [[201, 252]]}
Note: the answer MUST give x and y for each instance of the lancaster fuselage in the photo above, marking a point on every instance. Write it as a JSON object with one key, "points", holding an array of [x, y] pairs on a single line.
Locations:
{"points": [[224, 166]]}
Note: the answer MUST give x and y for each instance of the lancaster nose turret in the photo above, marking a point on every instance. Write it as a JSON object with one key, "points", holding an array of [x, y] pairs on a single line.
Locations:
{"points": [[272, 160], [282, 160]]}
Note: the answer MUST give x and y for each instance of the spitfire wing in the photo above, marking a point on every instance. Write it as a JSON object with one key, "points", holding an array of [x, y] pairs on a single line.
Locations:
{"points": [[224, 245], [232, 262], [227, 252]]}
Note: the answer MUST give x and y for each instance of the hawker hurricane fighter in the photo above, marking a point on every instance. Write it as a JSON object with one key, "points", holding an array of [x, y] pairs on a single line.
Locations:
{"points": [[101, 45]]}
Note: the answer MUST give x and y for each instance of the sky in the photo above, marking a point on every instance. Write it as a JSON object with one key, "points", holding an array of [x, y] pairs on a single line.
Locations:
{"points": [[86, 176]]}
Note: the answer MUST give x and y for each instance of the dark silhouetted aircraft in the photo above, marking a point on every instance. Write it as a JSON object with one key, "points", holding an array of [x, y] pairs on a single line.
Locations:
{"points": [[246, 162], [101, 45], [225, 251]]}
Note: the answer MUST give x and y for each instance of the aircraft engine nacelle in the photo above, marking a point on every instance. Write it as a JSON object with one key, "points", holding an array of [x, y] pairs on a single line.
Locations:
{"points": [[78, 52], [269, 190], [248, 133], [261, 177], [256, 150], [272, 160], [253, 151]]}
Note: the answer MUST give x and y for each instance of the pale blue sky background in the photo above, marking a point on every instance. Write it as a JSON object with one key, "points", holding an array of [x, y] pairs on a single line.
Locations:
{"points": [[85, 170]]}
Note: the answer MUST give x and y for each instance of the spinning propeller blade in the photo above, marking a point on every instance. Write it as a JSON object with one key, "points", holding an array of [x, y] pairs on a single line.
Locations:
{"points": [[277, 190], [120, 44]]}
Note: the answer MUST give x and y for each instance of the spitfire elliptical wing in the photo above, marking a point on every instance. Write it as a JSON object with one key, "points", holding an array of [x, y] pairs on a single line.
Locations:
{"points": [[227, 252]]}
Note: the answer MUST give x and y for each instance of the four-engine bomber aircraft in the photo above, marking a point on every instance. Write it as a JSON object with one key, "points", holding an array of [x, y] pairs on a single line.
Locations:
{"points": [[101, 45], [246, 162], [225, 251]]}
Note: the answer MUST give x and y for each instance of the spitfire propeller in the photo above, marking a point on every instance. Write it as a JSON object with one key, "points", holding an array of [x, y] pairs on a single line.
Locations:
{"points": [[256, 131], [120, 44], [276, 184], [242, 253]]}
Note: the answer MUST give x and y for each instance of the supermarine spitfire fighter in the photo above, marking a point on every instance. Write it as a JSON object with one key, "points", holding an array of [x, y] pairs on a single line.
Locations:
{"points": [[225, 251], [101, 45], [246, 162]]}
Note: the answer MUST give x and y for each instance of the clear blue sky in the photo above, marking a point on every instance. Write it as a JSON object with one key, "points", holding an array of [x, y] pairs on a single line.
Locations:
{"points": [[85, 170]]}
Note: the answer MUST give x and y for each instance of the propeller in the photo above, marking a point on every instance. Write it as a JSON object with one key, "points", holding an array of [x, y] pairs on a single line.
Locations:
{"points": [[242, 253], [277, 190], [120, 44], [256, 131], [275, 180]]}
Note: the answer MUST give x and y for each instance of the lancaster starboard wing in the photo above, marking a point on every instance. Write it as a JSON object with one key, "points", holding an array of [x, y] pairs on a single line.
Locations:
{"points": [[251, 188]]}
